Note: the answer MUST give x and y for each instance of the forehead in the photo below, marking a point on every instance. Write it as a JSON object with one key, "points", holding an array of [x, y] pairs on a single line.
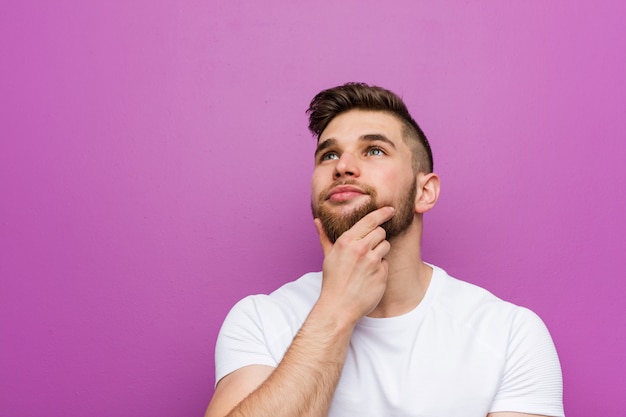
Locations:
{"points": [[357, 123]]}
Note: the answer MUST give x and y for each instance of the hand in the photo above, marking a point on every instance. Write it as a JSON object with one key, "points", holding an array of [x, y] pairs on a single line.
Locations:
{"points": [[355, 271]]}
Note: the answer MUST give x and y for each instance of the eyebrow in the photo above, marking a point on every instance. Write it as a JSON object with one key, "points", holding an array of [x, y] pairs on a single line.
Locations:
{"points": [[324, 145], [377, 137], [371, 137]]}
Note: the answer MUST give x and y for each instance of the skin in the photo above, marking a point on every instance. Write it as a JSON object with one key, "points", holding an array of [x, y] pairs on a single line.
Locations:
{"points": [[363, 272]]}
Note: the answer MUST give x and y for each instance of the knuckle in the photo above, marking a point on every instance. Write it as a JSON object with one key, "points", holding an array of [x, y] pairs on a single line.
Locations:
{"points": [[370, 220], [362, 250], [341, 242], [372, 259]]}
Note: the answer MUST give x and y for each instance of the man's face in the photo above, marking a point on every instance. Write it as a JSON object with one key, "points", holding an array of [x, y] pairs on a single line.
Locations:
{"points": [[362, 163]]}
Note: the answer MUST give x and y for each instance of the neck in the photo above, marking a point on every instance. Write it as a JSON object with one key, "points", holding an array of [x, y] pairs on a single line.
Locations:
{"points": [[408, 277]]}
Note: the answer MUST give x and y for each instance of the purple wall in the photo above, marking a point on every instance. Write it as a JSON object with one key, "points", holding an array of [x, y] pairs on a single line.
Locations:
{"points": [[155, 163]]}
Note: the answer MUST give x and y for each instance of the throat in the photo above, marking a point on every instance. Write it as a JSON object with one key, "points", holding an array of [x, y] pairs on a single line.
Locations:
{"points": [[405, 291]]}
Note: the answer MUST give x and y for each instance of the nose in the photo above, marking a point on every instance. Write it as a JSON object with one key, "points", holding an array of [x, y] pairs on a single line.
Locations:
{"points": [[347, 166]]}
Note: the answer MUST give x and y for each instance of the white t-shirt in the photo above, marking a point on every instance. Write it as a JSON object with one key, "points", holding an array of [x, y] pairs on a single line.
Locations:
{"points": [[461, 352]]}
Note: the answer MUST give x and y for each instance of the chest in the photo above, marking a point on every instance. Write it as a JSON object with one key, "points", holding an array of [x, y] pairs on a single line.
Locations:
{"points": [[426, 371]]}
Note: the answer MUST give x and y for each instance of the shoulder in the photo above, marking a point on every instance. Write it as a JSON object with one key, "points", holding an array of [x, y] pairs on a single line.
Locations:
{"points": [[259, 328], [290, 297], [464, 298], [485, 315], [516, 337], [291, 302]]}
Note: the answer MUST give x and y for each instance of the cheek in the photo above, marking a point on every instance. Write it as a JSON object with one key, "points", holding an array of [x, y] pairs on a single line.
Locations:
{"points": [[390, 182], [393, 187], [316, 186], [321, 176]]}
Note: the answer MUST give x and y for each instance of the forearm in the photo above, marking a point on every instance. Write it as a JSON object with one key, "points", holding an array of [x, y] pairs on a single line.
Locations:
{"points": [[304, 382]]}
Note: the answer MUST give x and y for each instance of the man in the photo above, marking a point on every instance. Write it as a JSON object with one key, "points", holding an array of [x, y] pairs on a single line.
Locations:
{"points": [[379, 332]]}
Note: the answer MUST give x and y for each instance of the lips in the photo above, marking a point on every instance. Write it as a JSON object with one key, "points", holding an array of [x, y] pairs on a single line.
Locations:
{"points": [[344, 193]]}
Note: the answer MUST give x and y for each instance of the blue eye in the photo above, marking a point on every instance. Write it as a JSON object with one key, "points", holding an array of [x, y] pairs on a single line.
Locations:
{"points": [[375, 152], [328, 156]]}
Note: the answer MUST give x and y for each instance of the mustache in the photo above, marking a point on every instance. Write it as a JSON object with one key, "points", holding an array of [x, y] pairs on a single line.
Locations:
{"points": [[326, 192]]}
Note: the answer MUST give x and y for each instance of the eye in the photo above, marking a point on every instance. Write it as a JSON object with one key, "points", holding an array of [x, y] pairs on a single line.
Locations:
{"points": [[375, 151], [328, 156]]}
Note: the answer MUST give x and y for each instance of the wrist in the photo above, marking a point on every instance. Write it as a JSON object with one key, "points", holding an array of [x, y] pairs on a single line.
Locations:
{"points": [[334, 319]]}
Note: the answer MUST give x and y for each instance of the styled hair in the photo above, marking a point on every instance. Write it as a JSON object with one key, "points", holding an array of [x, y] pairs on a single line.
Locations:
{"points": [[330, 103]]}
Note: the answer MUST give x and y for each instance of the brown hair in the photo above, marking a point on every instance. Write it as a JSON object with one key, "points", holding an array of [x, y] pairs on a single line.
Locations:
{"points": [[329, 103]]}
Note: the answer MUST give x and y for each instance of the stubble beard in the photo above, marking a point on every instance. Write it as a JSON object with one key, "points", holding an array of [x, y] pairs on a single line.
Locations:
{"points": [[335, 225]]}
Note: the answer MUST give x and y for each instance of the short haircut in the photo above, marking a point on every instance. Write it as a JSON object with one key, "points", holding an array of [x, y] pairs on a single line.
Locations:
{"points": [[330, 103]]}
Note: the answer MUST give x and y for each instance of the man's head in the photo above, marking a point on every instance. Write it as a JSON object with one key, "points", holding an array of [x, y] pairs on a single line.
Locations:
{"points": [[332, 102], [370, 153]]}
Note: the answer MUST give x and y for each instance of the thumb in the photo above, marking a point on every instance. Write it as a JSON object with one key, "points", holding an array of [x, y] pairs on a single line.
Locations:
{"points": [[324, 241]]}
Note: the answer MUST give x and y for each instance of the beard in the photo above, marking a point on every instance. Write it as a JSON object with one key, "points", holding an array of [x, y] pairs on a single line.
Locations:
{"points": [[335, 225]]}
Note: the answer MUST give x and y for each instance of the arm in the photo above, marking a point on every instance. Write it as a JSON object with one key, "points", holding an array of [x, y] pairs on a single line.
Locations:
{"points": [[303, 383]]}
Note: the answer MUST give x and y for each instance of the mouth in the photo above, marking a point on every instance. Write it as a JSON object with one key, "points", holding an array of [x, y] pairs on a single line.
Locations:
{"points": [[344, 193]]}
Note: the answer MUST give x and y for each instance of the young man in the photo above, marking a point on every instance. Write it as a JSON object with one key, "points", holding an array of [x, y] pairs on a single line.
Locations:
{"points": [[379, 332]]}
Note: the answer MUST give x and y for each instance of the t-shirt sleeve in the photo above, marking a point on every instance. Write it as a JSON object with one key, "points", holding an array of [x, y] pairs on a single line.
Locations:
{"points": [[532, 381], [241, 341]]}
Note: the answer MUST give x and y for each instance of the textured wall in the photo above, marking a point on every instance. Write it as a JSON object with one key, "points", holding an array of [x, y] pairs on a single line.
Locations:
{"points": [[154, 168]]}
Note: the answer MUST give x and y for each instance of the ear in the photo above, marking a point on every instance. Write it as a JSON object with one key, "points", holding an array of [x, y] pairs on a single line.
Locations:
{"points": [[428, 186]]}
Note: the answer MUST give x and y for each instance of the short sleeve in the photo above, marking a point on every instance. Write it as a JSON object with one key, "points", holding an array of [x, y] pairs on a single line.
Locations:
{"points": [[532, 381], [241, 341]]}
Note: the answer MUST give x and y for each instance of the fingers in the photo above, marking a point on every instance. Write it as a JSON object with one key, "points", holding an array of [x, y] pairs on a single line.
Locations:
{"points": [[381, 248], [362, 229], [370, 222], [355, 270]]}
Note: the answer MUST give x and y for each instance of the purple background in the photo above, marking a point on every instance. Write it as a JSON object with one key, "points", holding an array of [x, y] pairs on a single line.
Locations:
{"points": [[155, 164]]}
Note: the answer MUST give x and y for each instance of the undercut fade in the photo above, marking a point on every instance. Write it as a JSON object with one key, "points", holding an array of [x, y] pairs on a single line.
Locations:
{"points": [[330, 103]]}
